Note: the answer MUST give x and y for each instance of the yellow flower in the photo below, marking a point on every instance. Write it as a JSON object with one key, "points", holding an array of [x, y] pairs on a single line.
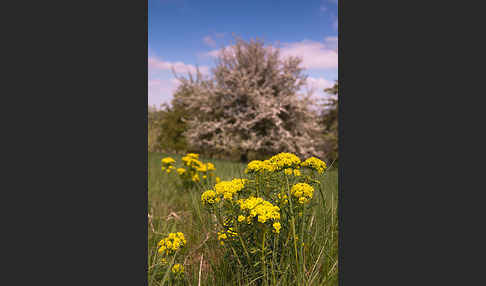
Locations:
{"points": [[193, 155], [172, 243], [241, 218], [162, 249], [177, 268], [302, 191], [181, 171], [283, 198], [302, 200], [222, 236], [315, 164], [277, 226], [202, 168], [296, 173], [229, 188], [260, 166], [260, 208], [218, 180], [288, 171], [195, 178], [204, 177], [168, 161], [209, 197], [211, 167], [284, 160]]}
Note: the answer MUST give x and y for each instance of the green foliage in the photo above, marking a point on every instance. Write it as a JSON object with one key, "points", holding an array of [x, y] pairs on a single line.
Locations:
{"points": [[166, 129], [329, 120]]}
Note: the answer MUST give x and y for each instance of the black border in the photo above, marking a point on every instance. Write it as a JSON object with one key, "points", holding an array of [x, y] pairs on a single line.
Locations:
{"points": [[85, 142]]}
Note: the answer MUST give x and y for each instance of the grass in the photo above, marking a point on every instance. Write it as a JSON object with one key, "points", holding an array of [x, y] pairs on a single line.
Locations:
{"points": [[171, 210]]}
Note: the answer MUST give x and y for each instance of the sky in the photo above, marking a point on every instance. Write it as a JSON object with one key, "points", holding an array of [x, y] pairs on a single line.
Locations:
{"points": [[183, 34]]}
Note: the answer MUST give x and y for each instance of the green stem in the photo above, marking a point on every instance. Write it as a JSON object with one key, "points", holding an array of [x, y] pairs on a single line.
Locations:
{"points": [[264, 268], [302, 241], [273, 258], [246, 251], [292, 221]]}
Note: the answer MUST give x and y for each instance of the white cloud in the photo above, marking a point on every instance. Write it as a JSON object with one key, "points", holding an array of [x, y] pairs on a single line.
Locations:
{"points": [[319, 84], [315, 55], [331, 43], [179, 67], [161, 91], [209, 41]]}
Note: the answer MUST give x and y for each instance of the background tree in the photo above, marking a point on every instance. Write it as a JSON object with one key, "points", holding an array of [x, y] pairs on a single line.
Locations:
{"points": [[250, 105], [166, 129], [330, 123]]}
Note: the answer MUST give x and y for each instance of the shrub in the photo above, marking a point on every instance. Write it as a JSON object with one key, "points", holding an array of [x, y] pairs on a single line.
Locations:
{"points": [[166, 128]]}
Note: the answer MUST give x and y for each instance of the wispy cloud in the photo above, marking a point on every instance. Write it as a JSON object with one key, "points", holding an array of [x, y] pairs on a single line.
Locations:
{"points": [[179, 67], [209, 41]]}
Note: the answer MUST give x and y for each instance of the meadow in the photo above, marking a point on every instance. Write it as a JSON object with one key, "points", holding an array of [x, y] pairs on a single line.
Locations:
{"points": [[173, 209]]}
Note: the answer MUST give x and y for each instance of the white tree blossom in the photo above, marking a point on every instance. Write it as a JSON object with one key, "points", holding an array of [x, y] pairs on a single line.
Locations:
{"points": [[250, 103]]}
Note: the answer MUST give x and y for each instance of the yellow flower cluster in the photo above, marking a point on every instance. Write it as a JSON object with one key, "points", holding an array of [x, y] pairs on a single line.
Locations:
{"points": [[191, 160], [302, 191], [168, 169], [205, 167], [283, 198], [194, 167], [226, 234], [210, 197], [276, 163], [259, 208], [285, 160], [315, 164], [168, 161], [177, 269], [256, 166], [167, 164], [172, 243], [228, 188], [295, 172]]}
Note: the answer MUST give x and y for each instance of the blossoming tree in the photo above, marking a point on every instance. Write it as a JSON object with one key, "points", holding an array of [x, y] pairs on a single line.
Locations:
{"points": [[250, 104]]}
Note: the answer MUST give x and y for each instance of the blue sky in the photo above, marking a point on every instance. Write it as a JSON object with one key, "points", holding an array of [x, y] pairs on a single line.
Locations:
{"points": [[183, 34]]}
